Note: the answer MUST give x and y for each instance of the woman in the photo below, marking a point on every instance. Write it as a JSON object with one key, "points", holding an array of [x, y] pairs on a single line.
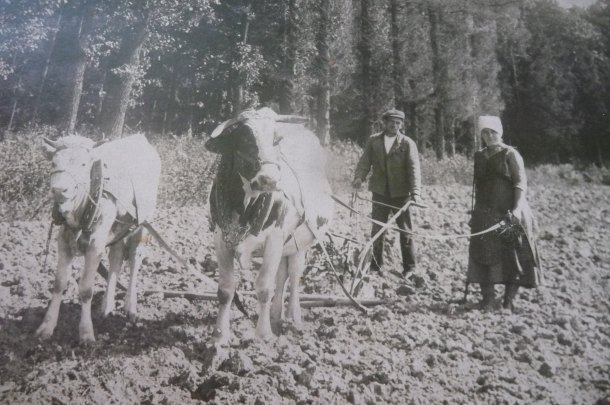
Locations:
{"points": [[507, 256]]}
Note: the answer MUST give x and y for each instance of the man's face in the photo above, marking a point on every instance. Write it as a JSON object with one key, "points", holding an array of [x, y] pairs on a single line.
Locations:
{"points": [[392, 125]]}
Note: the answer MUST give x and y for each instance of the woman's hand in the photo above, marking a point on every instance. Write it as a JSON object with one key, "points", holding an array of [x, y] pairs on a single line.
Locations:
{"points": [[517, 211]]}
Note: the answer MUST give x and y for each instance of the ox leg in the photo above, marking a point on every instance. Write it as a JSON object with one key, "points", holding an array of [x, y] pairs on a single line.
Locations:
{"points": [[95, 249], [85, 291], [296, 263], [226, 289], [277, 304], [115, 261], [46, 328], [135, 260], [264, 284]]}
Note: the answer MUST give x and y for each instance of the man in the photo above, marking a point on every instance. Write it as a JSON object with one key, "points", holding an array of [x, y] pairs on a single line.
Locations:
{"points": [[395, 179]]}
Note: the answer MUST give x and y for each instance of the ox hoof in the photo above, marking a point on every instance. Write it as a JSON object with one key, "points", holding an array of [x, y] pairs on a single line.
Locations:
{"points": [[106, 312], [219, 338], [277, 327], [295, 326], [132, 316], [87, 337], [265, 337], [87, 340], [43, 332]]}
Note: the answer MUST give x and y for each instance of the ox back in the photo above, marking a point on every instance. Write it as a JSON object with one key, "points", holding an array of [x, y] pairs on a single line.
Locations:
{"points": [[133, 175]]}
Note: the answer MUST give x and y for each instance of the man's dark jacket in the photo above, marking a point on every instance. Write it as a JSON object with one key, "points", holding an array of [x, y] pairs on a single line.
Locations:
{"points": [[395, 174]]}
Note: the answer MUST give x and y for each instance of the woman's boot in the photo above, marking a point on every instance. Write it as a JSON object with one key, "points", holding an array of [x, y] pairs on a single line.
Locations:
{"points": [[489, 296], [510, 291]]}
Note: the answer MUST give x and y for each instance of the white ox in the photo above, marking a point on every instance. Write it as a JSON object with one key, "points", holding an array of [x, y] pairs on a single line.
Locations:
{"points": [[100, 192], [270, 194]]}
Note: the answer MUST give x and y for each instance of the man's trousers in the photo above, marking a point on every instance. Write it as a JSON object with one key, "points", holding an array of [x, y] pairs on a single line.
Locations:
{"points": [[382, 213]]}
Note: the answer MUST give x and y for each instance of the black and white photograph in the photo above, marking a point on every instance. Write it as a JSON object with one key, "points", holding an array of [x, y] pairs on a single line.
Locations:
{"points": [[305, 202]]}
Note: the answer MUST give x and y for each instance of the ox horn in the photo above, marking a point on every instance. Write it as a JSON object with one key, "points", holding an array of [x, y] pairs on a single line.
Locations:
{"points": [[220, 128], [101, 141], [54, 144], [292, 119]]}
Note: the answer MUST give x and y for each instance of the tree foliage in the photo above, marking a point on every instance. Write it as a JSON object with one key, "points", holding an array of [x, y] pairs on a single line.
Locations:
{"points": [[179, 67]]}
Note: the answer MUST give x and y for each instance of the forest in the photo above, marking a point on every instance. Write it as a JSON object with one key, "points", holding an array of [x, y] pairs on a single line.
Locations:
{"points": [[178, 67]]}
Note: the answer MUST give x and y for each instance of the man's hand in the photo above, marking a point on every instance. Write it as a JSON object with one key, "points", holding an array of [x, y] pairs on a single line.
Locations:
{"points": [[416, 199], [356, 184]]}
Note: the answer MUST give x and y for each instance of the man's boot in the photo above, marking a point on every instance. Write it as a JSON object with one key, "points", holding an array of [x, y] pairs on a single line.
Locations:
{"points": [[510, 292], [489, 296]]}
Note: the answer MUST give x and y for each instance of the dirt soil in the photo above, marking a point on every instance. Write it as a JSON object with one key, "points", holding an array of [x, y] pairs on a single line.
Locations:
{"points": [[424, 346]]}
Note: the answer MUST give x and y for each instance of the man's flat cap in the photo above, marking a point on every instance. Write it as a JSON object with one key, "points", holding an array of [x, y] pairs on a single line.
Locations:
{"points": [[393, 113]]}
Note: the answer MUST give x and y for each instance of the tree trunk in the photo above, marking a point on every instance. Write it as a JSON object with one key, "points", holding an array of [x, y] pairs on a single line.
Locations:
{"points": [[404, 95], [438, 69], [451, 140], [121, 78], [151, 117], [439, 139], [9, 127], [170, 107], [412, 124], [290, 32], [323, 65], [45, 70], [238, 92], [164, 123], [397, 70], [599, 150], [100, 95], [475, 132], [80, 43], [323, 116], [365, 55]]}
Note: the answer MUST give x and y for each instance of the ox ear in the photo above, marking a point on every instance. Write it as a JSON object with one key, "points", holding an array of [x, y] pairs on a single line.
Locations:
{"points": [[217, 145], [220, 129], [100, 142]]}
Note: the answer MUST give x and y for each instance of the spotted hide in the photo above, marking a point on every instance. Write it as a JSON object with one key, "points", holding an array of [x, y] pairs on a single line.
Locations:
{"points": [[270, 195], [100, 193]]}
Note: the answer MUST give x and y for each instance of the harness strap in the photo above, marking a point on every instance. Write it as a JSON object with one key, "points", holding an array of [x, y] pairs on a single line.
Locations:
{"points": [[253, 161], [92, 209]]}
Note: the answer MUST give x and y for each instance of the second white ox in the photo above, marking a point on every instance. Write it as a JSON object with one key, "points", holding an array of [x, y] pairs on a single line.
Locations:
{"points": [[100, 193], [270, 194]]}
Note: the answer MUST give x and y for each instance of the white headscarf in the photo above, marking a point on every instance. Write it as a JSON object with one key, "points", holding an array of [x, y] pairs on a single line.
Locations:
{"points": [[491, 122]]}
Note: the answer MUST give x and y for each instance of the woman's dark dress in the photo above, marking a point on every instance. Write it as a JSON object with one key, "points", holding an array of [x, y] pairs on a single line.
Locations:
{"points": [[511, 257]]}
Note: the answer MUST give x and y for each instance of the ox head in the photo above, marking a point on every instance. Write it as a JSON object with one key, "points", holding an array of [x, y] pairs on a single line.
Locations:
{"points": [[70, 171], [252, 139]]}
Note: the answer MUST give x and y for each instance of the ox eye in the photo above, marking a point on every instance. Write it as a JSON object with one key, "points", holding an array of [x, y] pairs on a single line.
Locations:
{"points": [[84, 164], [277, 140]]}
